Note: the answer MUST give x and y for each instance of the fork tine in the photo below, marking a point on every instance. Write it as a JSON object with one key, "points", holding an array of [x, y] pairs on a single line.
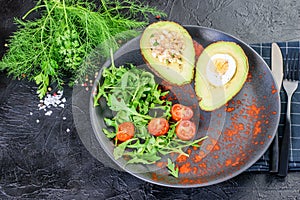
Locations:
{"points": [[286, 71], [297, 66], [292, 66]]}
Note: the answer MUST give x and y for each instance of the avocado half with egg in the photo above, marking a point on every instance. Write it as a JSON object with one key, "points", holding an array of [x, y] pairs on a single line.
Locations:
{"points": [[221, 72], [168, 50]]}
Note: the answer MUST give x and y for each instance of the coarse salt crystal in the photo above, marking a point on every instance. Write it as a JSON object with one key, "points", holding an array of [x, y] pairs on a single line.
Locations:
{"points": [[31, 113], [42, 107], [37, 121], [48, 113], [64, 118], [52, 100], [68, 130]]}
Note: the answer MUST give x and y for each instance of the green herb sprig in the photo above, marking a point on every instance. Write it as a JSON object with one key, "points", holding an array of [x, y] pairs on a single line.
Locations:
{"points": [[54, 47]]}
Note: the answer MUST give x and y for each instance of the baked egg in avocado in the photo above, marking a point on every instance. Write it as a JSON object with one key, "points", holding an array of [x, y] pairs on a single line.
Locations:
{"points": [[221, 72]]}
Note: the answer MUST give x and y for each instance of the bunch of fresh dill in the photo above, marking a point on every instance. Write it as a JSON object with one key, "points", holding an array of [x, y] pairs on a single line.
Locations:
{"points": [[53, 48]]}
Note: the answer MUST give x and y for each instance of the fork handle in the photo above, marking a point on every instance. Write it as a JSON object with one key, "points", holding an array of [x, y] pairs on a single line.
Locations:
{"points": [[285, 145], [274, 154]]}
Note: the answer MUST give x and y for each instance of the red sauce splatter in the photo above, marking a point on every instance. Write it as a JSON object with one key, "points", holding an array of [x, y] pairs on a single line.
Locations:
{"points": [[154, 176], [249, 77], [253, 111], [181, 158], [257, 128], [203, 165], [229, 109], [198, 49], [185, 168], [197, 158], [161, 164], [228, 162]]}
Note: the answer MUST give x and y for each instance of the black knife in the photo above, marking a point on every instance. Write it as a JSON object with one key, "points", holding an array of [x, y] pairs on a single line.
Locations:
{"points": [[277, 71]]}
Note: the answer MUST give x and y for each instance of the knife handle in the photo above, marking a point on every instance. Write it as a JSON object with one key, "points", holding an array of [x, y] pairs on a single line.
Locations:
{"points": [[274, 154]]}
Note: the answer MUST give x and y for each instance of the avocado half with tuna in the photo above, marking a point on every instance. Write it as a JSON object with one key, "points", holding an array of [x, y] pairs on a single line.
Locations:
{"points": [[168, 50], [221, 71]]}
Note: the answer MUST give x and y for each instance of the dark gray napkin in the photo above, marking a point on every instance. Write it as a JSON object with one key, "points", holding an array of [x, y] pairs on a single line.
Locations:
{"points": [[264, 49]]}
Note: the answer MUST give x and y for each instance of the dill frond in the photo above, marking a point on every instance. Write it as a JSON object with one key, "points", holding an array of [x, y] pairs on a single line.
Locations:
{"points": [[56, 47]]}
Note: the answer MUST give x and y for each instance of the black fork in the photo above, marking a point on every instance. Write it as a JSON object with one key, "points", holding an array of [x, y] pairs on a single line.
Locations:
{"points": [[290, 84]]}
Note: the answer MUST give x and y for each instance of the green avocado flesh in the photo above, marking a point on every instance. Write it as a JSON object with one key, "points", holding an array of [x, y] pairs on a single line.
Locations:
{"points": [[168, 50], [211, 96]]}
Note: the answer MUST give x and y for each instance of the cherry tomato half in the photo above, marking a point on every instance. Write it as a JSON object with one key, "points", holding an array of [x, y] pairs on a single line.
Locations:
{"points": [[158, 126], [181, 112], [125, 131], [185, 130]]}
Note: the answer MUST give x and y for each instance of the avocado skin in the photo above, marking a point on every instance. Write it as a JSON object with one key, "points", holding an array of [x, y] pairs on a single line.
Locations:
{"points": [[213, 97], [165, 71]]}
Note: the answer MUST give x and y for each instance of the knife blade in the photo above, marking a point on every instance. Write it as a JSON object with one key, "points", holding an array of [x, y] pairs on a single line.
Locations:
{"points": [[277, 71]]}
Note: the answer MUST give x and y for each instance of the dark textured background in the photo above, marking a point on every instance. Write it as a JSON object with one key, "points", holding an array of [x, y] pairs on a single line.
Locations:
{"points": [[45, 161]]}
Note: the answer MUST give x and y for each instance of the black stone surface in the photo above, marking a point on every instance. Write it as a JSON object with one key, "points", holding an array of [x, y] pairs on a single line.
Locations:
{"points": [[45, 161]]}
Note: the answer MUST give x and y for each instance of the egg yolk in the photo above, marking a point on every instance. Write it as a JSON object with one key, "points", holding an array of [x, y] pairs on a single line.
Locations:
{"points": [[221, 65], [220, 69]]}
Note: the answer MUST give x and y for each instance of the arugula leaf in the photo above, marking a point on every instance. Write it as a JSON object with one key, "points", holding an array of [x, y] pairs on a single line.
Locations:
{"points": [[172, 169], [146, 159], [119, 150], [119, 105], [108, 133]]}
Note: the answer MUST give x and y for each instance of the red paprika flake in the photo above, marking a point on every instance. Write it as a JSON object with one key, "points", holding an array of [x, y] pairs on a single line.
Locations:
{"points": [[157, 17]]}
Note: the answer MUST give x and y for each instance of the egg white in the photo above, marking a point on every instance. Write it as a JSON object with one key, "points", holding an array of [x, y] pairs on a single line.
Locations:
{"points": [[214, 77]]}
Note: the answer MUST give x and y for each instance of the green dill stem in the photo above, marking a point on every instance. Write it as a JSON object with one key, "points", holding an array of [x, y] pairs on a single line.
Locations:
{"points": [[46, 19], [66, 16], [105, 8], [33, 9]]}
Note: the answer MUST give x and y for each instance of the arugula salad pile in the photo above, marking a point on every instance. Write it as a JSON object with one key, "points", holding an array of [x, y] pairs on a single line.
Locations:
{"points": [[136, 98]]}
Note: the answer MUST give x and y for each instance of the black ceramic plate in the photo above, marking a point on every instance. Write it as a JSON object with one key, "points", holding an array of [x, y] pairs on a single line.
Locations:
{"points": [[239, 132]]}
